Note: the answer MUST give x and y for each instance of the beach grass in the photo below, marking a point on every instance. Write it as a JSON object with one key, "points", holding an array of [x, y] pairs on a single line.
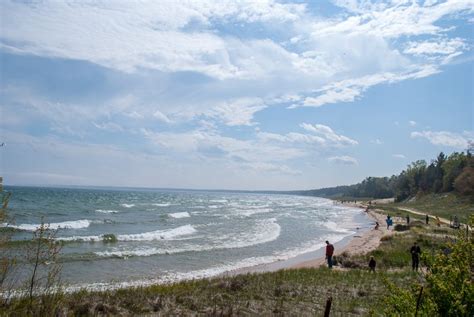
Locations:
{"points": [[291, 292], [443, 205], [297, 292], [294, 292]]}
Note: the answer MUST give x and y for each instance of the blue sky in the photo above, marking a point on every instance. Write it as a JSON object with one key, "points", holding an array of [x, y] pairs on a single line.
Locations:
{"points": [[231, 94]]}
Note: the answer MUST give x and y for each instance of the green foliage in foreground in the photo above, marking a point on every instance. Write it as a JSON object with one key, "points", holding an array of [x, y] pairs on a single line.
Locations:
{"points": [[393, 251], [447, 285], [296, 292]]}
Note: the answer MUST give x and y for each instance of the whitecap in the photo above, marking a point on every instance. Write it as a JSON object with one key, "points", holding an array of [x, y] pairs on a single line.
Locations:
{"points": [[331, 225], [169, 234], [180, 215], [74, 224], [106, 211], [81, 238], [162, 205], [128, 205], [218, 200], [265, 231], [158, 234], [252, 211]]}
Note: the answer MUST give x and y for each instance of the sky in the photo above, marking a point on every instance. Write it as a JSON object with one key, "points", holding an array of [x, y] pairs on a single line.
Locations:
{"points": [[256, 94]]}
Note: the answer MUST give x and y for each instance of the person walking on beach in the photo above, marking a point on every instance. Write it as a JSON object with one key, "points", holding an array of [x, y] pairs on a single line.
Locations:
{"points": [[329, 253], [415, 256], [372, 264], [427, 219], [389, 221], [408, 219]]}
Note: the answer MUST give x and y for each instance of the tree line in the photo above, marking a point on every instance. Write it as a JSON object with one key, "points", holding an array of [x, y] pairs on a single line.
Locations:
{"points": [[443, 174]]}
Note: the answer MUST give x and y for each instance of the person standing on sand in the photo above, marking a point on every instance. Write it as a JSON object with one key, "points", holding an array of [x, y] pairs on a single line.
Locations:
{"points": [[389, 221], [329, 253], [408, 219], [415, 256], [372, 264], [427, 219]]}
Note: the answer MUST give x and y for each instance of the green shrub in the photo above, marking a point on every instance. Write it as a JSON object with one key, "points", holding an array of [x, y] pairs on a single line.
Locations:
{"points": [[109, 238], [448, 288]]}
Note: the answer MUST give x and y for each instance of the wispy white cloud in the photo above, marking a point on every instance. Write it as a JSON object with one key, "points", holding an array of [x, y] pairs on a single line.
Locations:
{"points": [[376, 141], [444, 138], [412, 123], [237, 112], [161, 116], [345, 160], [329, 134], [441, 46], [399, 156], [350, 89]]}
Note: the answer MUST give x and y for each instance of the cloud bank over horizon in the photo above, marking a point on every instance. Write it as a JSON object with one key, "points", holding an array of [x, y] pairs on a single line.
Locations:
{"points": [[239, 94]]}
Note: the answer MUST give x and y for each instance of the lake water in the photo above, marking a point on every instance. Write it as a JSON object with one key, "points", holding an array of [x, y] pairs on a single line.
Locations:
{"points": [[169, 235]]}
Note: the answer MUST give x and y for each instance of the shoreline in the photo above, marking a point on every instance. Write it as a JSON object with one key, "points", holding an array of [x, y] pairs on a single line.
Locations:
{"points": [[361, 242]]}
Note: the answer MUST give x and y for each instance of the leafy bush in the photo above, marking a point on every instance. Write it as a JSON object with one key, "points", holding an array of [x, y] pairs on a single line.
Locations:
{"points": [[448, 289], [109, 238]]}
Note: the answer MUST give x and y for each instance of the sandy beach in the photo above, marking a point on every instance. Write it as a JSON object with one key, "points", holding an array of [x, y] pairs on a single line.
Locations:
{"points": [[362, 242], [359, 244]]}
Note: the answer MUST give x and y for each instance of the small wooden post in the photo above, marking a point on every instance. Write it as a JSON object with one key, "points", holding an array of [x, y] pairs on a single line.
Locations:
{"points": [[418, 301], [328, 307]]}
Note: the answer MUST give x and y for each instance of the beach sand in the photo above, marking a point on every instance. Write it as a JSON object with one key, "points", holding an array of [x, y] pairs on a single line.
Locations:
{"points": [[359, 243]]}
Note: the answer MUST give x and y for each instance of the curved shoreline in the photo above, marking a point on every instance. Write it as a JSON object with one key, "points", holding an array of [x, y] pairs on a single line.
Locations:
{"points": [[358, 244], [361, 242]]}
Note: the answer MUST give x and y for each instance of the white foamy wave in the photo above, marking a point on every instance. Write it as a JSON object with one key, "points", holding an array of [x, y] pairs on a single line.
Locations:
{"points": [[248, 213], [106, 211], [264, 231], [180, 215], [334, 227], [146, 236], [244, 206], [162, 205], [77, 224], [81, 238], [218, 200], [158, 234], [171, 277], [128, 205], [139, 252]]}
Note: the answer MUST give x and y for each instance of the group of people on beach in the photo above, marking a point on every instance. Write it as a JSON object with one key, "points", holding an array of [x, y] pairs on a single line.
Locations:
{"points": [[415, 250]]}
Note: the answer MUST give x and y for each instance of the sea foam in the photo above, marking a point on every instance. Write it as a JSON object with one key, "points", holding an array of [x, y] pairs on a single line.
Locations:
{"points": [[106, 211], [264, 231], [158, 234], [180, 215], [75, 224], [169, 234], [162, 204]]}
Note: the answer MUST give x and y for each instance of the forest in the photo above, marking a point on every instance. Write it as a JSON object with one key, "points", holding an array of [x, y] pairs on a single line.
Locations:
{"points": [[453, 173]]}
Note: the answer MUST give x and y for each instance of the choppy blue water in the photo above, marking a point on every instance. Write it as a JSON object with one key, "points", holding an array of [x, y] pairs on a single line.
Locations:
{"points": [[167, 235]]}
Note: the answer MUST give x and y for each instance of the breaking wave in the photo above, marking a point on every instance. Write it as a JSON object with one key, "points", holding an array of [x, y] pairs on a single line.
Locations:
{"points": [[180, 215], [75, 224]]}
